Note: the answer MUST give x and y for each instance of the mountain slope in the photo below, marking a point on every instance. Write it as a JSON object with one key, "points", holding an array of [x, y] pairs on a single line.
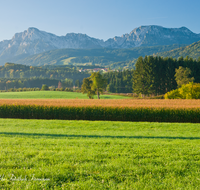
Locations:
{"points": [[192, 51]]}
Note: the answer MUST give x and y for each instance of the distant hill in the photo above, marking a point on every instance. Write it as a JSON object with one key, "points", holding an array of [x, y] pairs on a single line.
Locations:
{"points": [[33, 41], [102, 57], [192, 50]]}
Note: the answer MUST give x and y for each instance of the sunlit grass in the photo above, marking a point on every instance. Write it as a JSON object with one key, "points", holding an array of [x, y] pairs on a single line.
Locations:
{"points": [[53, 154], [52, 95]]}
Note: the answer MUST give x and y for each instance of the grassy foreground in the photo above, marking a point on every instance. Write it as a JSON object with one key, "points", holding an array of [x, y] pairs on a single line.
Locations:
{"points": [[52, 95], [54, 154]]}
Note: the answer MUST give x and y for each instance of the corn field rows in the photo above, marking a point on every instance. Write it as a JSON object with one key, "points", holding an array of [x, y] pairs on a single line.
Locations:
{"points": [[100, 113]]}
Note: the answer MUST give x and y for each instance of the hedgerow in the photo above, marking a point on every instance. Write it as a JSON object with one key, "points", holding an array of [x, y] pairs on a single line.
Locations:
{"points": [[100, 113]]}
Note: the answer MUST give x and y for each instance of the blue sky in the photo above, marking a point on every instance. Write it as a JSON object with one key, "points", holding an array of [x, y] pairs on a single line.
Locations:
{"points": [[101, 19]]}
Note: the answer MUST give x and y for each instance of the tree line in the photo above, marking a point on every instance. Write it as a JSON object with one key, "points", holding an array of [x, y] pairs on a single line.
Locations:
{"points": [[6, 84], [119, 81], [22, 76], [156, 75], [11, 70], [151, 76]]}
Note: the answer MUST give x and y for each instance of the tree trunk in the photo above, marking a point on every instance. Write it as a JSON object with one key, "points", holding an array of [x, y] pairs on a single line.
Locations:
{"points": [[98, 94]]}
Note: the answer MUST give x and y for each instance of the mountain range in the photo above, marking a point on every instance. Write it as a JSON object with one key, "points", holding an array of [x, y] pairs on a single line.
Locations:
{"points": [[33, 41]]}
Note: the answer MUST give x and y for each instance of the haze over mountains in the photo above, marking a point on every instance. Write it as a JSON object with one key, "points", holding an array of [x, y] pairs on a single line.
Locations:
{"points": [[33, 41]]}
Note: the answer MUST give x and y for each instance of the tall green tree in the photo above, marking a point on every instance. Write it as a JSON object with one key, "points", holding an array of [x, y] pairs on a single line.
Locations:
{"points": [[149, 74], [182, 76], [77, 83], [98, 83], [86, 87], [138, 77]]}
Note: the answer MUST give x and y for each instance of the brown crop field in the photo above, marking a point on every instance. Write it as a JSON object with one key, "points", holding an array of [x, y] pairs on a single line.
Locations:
{"points": [[152, 103]]}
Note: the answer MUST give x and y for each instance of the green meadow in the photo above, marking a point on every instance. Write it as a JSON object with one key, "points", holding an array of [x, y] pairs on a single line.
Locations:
{"points": [[55, 154], [52, 95]]}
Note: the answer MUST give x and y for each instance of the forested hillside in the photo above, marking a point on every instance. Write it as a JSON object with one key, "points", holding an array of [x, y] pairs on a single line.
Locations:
{"points": [[22, 76], [113, 58], [11, 70], [192, 50], [8, 83]]}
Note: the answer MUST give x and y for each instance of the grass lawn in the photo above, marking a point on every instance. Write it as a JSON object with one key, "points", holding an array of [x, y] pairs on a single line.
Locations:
{"points": [[52, 95], [54, 154]]}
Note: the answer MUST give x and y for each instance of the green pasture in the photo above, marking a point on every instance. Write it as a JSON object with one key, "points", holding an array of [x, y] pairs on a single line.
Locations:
{"points": [[55, 154], [52, 95]]}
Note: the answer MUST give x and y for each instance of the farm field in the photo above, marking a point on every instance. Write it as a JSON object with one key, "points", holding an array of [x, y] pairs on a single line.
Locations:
{"points": [[53, 95], [151, 103], [54, 154]]}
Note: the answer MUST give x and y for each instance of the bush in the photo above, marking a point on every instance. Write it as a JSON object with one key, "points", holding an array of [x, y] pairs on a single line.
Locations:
{"points": [[174, 94], [187, 91], [190, 91], [68, 90], [45, 87], [11, 90]]}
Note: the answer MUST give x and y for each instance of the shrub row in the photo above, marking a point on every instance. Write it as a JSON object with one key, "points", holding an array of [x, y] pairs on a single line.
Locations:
{"points": [[100, 113], [20, 89], [35, 89]]}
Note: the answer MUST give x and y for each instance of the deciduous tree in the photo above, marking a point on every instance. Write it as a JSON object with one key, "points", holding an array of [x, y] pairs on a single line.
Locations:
{"points": [[182, 76], [45, 87], [86, 87], [98, 83]]}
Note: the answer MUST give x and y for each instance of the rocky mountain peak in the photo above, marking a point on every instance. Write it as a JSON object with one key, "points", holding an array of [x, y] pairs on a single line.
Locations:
{"points": [[154, 35]]}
